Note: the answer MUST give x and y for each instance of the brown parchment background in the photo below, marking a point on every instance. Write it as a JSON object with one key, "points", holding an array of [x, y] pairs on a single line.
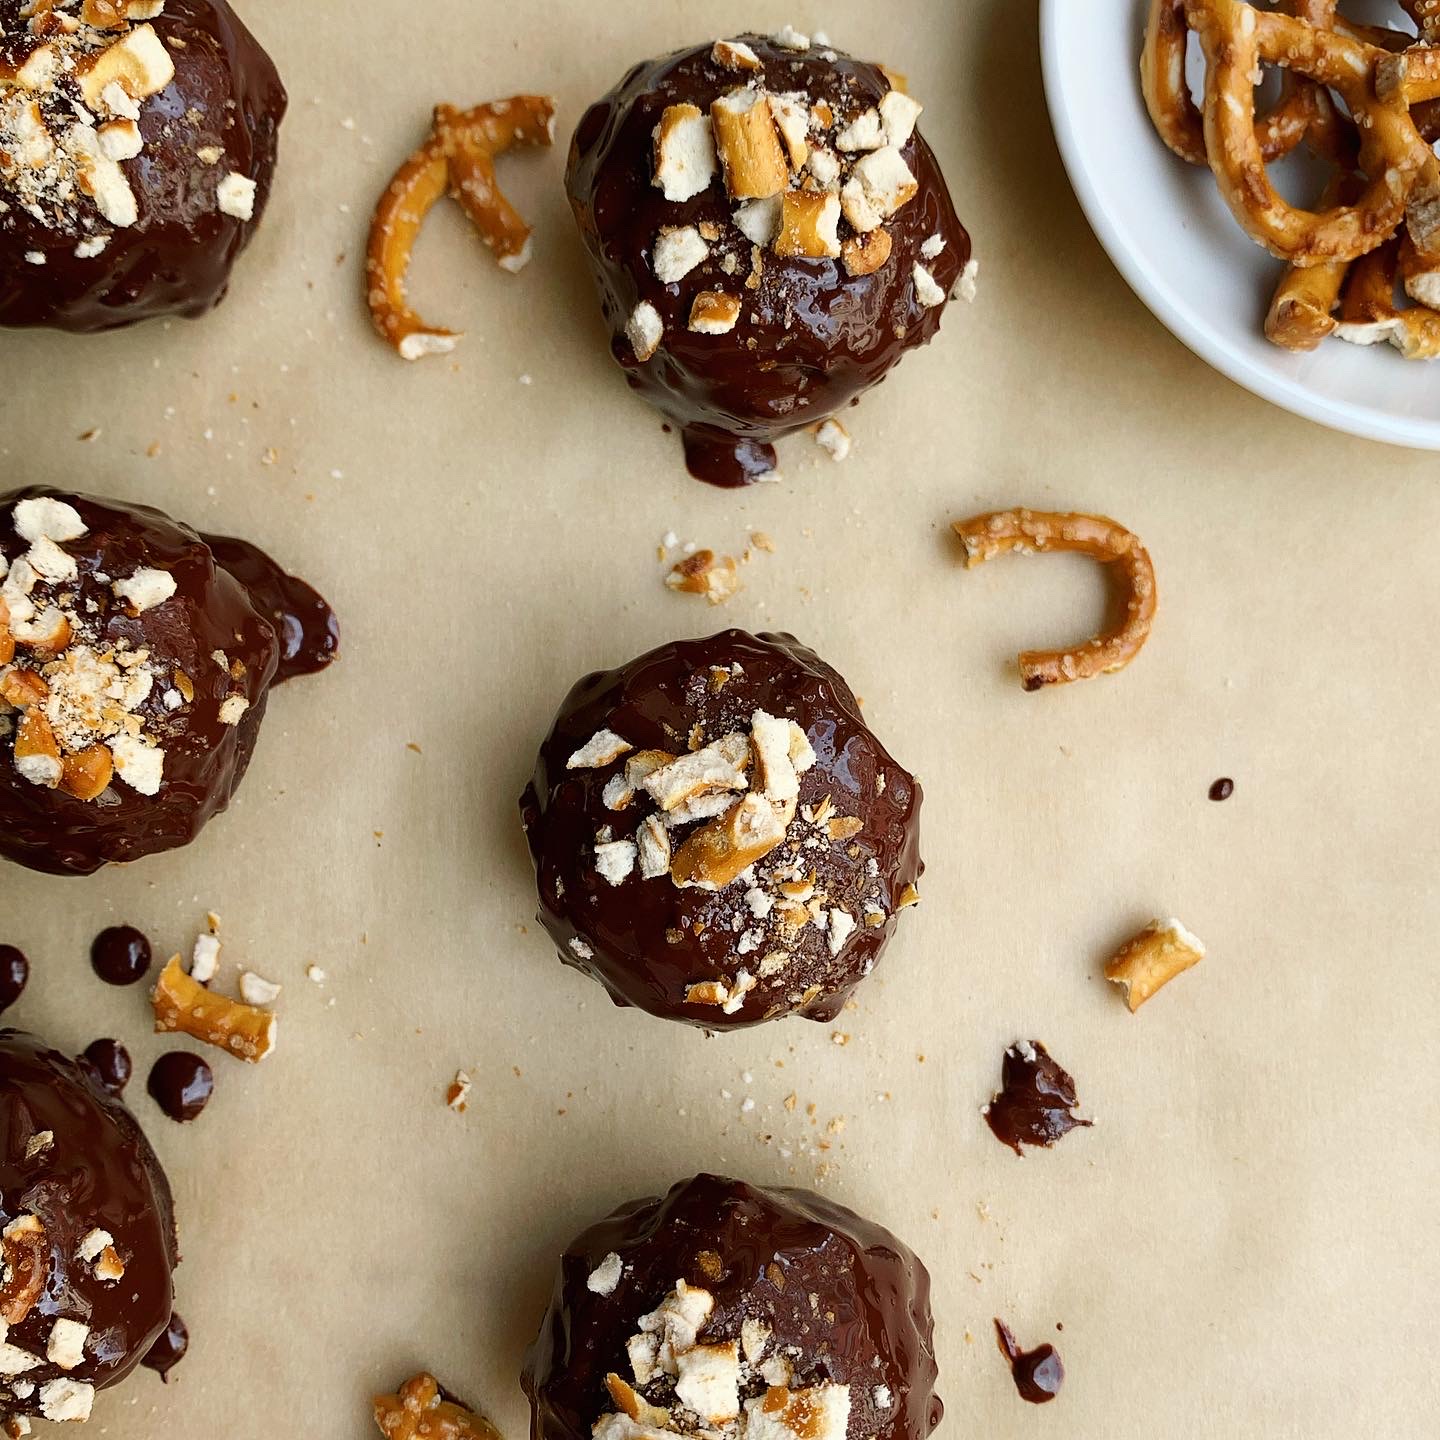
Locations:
{"points": [[1245, 1243]]}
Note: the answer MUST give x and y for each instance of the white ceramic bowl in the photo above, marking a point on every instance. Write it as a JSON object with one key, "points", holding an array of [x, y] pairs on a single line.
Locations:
{"points": [[1173, 239]]}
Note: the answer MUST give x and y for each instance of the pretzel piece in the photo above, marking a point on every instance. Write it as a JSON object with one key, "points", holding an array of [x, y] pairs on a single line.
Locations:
{"points": [[1370, 316], [1302, 312], [1409, 77], [1145, 965], [1237, 39], [986, 536], [421, 1411], [182, 1003], [459, 155], [1173, 110]]}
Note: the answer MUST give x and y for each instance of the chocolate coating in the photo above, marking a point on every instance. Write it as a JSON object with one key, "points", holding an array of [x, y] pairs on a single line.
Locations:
{"points": [[211, 613], [1036, 1102], [110, 1065], [169, 1350], [811, 337], [14, 975], [98, 1172], [177, 257], [1039, 1373], [181, 1084], [762, 1255], [120, 955], [307, 628], [649, 941]]}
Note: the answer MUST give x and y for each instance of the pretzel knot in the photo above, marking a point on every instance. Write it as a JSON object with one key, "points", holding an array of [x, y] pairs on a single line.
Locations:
{"points": [[459, 157], [1237, 39], [986, 536]]}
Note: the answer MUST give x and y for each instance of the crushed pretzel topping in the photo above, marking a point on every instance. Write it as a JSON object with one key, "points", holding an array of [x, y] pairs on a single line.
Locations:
{"points": [[683, 1384], [70, 91], [82, 698]]}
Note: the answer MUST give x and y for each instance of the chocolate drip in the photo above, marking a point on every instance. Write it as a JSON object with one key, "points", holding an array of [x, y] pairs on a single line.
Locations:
{"points": [[120, 955], [110, 1065], [1038, 1373], [1036, 1102], [169, 1350], [14, 975], [181, 1084], [308, 628]]}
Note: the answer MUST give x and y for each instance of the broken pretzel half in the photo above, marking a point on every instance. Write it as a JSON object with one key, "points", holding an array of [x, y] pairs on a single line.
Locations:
{"points": [[1145, 965], [459, 157], [986, 536]]}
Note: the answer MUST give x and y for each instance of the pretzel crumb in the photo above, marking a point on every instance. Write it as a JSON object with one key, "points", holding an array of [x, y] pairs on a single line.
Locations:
{"points": [[457, 1097], [1145, 965], [703, 573]]}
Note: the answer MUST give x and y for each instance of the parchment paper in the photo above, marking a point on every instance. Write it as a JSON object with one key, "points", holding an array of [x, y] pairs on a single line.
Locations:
{"points": [[1244, 1245]]}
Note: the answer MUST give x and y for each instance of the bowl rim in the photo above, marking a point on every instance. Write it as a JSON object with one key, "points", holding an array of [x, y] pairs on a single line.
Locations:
{"points": [[1165, 302]]}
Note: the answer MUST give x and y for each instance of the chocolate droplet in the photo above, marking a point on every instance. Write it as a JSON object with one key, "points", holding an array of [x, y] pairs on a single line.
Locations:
{"points": [[1222, 789], [1036, 1101], [14, 974], [120, 955], [1038, 1373], [169, 1350], [110, 1062], [181, 1084]]}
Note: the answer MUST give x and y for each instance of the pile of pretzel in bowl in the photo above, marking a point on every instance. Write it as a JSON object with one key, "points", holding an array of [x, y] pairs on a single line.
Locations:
{"points": [[1365, 99]]}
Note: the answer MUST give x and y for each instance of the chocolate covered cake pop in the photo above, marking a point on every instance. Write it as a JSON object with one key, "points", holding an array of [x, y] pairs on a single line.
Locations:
{"points": [[717, 835], [729, 1312], [137, 146], [769, 234], [136, 658], [89, 1236]]}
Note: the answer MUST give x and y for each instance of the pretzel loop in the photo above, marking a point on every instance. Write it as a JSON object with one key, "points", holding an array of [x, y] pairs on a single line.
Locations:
{"points": [[1178, 118], [986, 536], [1237, 39]]}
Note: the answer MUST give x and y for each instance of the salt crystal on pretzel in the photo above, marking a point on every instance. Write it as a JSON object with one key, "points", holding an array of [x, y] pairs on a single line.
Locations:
{"points": [[459, 156], [1237, 39], [986, 536]]}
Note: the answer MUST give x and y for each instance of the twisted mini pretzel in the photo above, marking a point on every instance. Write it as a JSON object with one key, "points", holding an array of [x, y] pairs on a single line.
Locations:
{"points": [[1237, 39], [986, 536], [1178, 118], [459, 156]]}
